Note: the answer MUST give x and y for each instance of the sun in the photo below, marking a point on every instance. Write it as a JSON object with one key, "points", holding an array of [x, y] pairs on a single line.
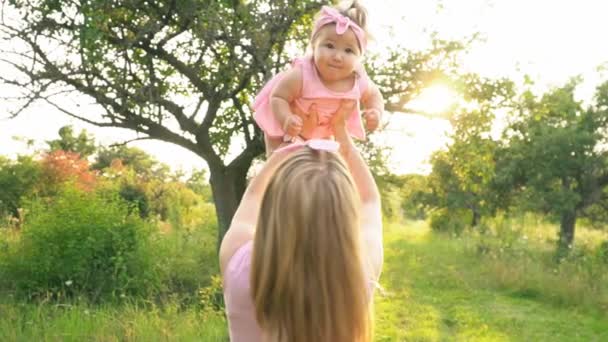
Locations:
{"points": [[434, 100]]}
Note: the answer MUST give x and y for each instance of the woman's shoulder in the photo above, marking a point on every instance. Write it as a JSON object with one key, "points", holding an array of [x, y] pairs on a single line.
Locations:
{"points": [[233, 243]]}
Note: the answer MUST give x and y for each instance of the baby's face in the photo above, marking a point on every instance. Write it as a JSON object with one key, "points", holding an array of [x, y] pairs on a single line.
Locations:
{"points": [[336, 56]]}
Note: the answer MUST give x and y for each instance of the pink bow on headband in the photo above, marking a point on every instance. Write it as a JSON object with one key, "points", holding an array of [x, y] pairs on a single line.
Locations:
{"points": [[331, 15], [315, 144]]}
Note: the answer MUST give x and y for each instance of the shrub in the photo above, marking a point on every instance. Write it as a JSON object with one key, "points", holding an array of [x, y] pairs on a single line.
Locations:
{"points": [[450, 221], [187, 255], [82, 244], [602, 252]]}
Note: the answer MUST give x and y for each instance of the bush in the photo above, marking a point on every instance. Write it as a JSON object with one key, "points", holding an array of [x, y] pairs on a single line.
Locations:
{"points": [[602, 252], [82, 244], [187, 255], [450, 221]]}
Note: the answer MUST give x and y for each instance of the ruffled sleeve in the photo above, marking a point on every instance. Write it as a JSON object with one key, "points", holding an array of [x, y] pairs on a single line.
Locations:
{"points": [[263, 112], [263, 115]]}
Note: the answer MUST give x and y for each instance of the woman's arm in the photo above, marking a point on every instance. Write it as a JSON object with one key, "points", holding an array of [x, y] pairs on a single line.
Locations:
{"points": [[371, 214], [360, 171], [242, 227]]}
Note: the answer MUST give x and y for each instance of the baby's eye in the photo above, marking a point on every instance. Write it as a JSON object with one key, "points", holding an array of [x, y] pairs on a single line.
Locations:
{"points": [[329, 45], [349, 50]]}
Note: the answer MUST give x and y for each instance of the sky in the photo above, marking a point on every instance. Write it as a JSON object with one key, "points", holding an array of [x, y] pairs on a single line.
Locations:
{"points": [[549, 40]]}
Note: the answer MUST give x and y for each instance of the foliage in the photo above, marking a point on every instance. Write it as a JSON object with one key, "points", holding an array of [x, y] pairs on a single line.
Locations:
{"points": [[144, 165], [180, 71], [18, 179], [81, 244], [59, 167], [211, 297], [186, 255], [199, 183], [184, 72], [414, 192], [83, 144], [450, 221], [554, 155], [462, 175]]}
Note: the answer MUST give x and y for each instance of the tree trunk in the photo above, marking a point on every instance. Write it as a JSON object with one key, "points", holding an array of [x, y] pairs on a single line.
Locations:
{"points": [[228, 186], [566, 232], [475, 219]]}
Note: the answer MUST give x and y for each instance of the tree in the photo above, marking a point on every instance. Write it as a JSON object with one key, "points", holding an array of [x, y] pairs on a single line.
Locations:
{"points": [[83, 144], [58, 167], [18, 179], [555, 155], [143, 164], [182, 71], [178, 71], [463, 175]]}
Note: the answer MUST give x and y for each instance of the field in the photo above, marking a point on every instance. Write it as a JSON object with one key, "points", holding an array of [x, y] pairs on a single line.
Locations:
{"points": [[435, 288]]}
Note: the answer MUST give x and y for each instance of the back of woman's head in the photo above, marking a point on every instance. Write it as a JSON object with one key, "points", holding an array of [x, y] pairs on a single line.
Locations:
{"points": [[307, 278]]}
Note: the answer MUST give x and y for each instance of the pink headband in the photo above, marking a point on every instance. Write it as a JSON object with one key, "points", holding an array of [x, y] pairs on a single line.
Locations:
{"points": [[331, 15], [315, 144]]}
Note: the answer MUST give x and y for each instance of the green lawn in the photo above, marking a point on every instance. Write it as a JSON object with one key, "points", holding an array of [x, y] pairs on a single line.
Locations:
{"points": [[432, 292], [435, 289]]}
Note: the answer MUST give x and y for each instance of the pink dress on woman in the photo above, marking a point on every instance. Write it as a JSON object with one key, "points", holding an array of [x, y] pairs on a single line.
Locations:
{"points": [[314, 91], [242, 324]]}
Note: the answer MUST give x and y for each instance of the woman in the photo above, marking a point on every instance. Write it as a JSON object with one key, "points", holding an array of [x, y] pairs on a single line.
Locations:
{"points": [[304, 249]]}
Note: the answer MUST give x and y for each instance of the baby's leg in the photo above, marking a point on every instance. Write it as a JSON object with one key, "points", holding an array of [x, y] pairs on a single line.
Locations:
{"points": [[271, 144]]}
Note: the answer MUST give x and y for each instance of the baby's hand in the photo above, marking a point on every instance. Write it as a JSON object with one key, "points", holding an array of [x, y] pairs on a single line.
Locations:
{"points": [[293, 125], [372, 118]]}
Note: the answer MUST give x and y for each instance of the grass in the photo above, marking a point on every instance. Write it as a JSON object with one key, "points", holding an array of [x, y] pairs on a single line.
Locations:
{"points": [[127, 322], [435, 288]]}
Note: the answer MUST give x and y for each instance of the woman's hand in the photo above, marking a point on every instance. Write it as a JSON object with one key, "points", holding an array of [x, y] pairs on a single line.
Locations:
{"points": [[338, 119], [310, 120], [293, 125]]}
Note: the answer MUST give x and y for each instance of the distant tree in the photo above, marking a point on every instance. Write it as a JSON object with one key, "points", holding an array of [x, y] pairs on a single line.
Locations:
{"points": [[18, 180], [199, 184], [59, 167], [83, 144], [462, 177], [142, 163], [555, 155], [414, 191]]}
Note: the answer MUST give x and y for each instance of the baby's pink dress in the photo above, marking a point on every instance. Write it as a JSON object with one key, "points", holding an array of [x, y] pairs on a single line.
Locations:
{"points": [[313, 91]]}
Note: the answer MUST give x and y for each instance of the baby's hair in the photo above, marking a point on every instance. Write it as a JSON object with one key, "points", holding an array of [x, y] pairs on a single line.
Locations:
{"points": [[355, 11]]}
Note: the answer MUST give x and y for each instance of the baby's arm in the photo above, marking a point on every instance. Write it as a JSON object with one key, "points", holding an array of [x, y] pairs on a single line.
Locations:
{"points": [[284, 92], [373, 103]]}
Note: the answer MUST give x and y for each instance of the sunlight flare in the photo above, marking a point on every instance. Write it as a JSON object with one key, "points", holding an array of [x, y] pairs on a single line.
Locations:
{"points": [[435, 99]]}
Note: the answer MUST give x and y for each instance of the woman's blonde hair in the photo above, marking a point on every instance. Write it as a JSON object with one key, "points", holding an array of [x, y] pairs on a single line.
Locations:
{"points": [[307, 278]]}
